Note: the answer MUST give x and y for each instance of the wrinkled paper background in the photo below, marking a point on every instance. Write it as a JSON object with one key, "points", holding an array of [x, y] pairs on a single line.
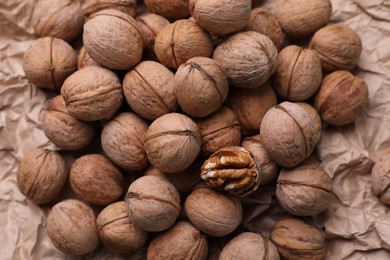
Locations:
{"points": [[357, 225]]}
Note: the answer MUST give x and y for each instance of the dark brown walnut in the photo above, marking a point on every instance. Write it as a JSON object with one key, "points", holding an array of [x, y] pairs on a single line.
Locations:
{"points": [[338, 47], [113, 39], [182, 241], [84, 60], [290, 131], [123, 141], [214, 213], [172, 142], [218, 130], [62, 19], [232, 169], [250, 106], [201, 86], [93, 6], [169, 9], [48, 62], [152, 203], [64, 130], [181, 41], [342, 98], [116, 230], [248, 58], [299, 239], [92, 93], [150, 90], [71, 227], [380, 177], [301, 18], [95, 179], [150, 25], [221, 16], [41, 175], [249, 246]]}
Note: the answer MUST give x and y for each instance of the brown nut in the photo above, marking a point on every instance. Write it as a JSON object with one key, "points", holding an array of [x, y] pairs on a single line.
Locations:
{"points": [[380, 177], [338, 47], [153, 203], [48, 62], [290, 131], [92, 93], [150, 25], [41, 175], [169, 9], [248, 58], [113, 39], [181, 41], [299, 239], [182, 241], [93, 6], [298, 75], [342, 98], [71, 227], [84, 60], [201, 86], [116, 230], [96, 180]]}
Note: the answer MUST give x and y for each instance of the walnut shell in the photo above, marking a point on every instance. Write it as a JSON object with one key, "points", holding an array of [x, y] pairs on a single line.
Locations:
{"points": [[290, 131], [342, 98], [92, 93], [182, 241], [181, 41], [153, 203], [150, 25], [201, 86], [381, 179], [221, 16], [71, 226], [116, 230], [93, 6], [172, 142], [113, 39], [338, 47], [299, 239], [150, 90], [169, 9], [95, 179], [48, 62], [84, 60], [298, 75], [41, 175], [248, 58]]}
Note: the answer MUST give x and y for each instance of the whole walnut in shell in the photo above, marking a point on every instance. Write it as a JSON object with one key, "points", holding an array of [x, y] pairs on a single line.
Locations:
{"points": [[221, 16], [153, 203], [181, 41], [170, 9], [93, 6], [381, 179], [338, 47], [84, 60], [342, 98], [48, 62], [92, 93], [41, 175], [182, 241], [248, 58], [150, 25], [113, 39], [201, 86], [290, 131], [71, 226]]}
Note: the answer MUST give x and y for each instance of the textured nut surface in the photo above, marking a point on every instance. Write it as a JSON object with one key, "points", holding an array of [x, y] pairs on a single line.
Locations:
{"points": [[342, 98], [150, 25], [71, 226], [48, 62], [381, 178], [93, 6], [153, 203], [41, 175], [248, 58], [170, 9], [84, 60], [182, 241]]}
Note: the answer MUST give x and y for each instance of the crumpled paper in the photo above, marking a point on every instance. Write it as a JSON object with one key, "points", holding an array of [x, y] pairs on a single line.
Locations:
{"points": [[357, 225]]}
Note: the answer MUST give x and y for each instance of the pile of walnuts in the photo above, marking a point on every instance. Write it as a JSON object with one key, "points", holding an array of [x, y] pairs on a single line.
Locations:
{"points": [[201, 111]]}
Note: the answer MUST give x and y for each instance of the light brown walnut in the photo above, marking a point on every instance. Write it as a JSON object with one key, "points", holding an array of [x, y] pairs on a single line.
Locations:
{"points": [[84, 60], [93, 6], [169, 9], [150, 25]]}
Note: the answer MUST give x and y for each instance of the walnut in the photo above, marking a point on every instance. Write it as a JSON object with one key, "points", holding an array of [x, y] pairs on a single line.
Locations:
{"points": [[113, 39], [338, 47], [153, 203], [48, 62], [84, 60], [93, 6], [182, 241], [71, 227], [150, 25], [41, 175], [290, 132], [380, 177], [248, 58], [201, 86], [342, 98], [170, 9]]}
